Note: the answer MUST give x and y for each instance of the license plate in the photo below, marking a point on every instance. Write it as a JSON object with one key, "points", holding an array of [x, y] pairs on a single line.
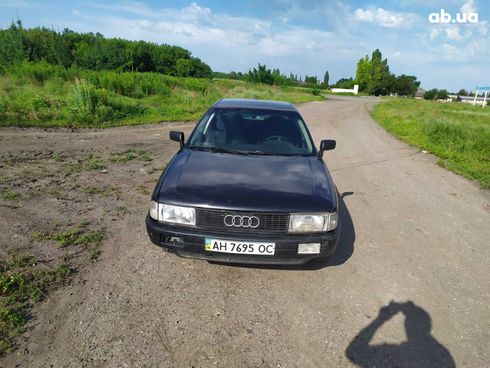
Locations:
{"points": [[239, 247]]}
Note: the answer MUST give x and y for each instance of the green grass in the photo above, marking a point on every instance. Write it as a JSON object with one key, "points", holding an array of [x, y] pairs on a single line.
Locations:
{"points": [[21, 286], [129, 155], [10, 195], [93, 190], [85, 99], [94, 163], [78, 235], [458, 133], [142, 189]]}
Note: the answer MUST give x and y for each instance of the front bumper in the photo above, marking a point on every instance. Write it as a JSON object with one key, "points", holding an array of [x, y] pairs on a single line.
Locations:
{"points": [[286, 251]]}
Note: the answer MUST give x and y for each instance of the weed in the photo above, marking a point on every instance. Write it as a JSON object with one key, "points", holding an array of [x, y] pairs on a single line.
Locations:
{"points": [[105, 191], [129, 155], [71, 168], [23, 261], [5, 179], [123, 157], [93, 190], [94, 256], [46, 95], [37, 235], [144, 156], [62, 271], [20, 288], [142, 189], [94, 163], [121, 211], [75, 236], [10, 195]]}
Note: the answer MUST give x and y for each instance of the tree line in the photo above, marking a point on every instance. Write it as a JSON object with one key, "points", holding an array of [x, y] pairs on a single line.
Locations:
{"points": [[262, 74], [95, 52], [372, 75]]}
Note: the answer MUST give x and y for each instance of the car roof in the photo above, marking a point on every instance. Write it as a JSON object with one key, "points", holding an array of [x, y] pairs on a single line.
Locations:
{"points": [[246, 103]]}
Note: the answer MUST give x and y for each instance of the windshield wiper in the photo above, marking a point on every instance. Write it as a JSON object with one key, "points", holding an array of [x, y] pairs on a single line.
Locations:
{"points": [[219, 149], [262, 153]]}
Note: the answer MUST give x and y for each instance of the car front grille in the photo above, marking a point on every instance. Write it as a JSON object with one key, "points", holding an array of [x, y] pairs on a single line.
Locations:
{"points": [[213, 219]]}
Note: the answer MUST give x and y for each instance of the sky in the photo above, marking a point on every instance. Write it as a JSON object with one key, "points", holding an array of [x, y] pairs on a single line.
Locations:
{"points": [[298, 36]]}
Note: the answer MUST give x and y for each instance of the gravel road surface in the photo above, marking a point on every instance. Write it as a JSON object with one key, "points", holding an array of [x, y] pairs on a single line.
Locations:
{"points": [[409, 285]]}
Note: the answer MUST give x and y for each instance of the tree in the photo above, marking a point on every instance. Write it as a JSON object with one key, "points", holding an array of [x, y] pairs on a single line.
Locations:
{"points": [[311, 80], [12, 48], [462, 92], [278, 78], [326, 77], [442, 94], [379, 71], [192, 68], [406, 85], [94, 51], [431, 94], [346, 83], [374, 77], [260, 75]]}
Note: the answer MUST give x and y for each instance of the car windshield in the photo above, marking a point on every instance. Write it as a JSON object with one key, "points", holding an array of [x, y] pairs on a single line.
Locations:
{"points": [[252, 131]]}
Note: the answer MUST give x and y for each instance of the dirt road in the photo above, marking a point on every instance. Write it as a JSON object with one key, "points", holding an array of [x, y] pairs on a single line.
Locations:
{"points": [[414, 234]]}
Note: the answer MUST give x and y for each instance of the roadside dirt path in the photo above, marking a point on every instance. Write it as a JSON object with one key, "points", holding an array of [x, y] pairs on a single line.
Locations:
{"points": [[415, 235]]}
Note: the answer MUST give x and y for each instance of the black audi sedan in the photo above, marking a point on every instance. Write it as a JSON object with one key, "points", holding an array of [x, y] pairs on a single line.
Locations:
{"points": [[248, 186]]}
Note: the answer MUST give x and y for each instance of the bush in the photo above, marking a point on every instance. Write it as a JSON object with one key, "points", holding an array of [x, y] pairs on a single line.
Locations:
{"points": [[431, 94], [42, 71], [130, 84], [45, 95], [436, 94], [92, 105]]}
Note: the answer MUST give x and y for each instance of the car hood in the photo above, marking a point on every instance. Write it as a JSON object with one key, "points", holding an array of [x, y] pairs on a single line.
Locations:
{"points": [[247, 182]]}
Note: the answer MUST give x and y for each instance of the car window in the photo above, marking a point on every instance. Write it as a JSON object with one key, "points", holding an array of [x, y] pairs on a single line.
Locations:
{"points": [[253, 131]]}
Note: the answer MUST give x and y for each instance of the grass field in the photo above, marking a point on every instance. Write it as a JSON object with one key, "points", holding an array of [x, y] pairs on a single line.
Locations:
{"points": [[46, 95], [458, 133]]}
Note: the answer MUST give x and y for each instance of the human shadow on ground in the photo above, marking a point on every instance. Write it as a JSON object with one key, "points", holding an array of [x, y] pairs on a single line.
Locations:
{"points": [[420, 350], [344, 250]]}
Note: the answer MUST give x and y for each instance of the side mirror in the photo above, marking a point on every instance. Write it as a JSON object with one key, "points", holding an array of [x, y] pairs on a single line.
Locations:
{"points": [[326, 145], [178, 137]]}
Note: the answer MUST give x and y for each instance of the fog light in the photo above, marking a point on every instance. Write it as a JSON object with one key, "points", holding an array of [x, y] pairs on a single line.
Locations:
{"points": [[175, 239], [309, 248]]}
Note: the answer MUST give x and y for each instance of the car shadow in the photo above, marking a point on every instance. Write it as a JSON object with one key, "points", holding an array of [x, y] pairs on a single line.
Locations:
{"points": [[344, 250], [420, 350]]}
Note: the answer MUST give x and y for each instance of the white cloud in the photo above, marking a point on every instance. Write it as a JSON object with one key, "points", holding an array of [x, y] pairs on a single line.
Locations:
{"points": [[468, 7], [385, 18], [364, 15], [453, 34]]}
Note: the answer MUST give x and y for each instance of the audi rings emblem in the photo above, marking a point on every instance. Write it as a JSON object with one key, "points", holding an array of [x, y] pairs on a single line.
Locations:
{"points": [[251, 222]]}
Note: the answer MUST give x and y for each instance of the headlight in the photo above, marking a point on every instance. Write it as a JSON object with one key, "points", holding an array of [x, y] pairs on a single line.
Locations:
{"points": [[306, 223], [173, 214]]}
